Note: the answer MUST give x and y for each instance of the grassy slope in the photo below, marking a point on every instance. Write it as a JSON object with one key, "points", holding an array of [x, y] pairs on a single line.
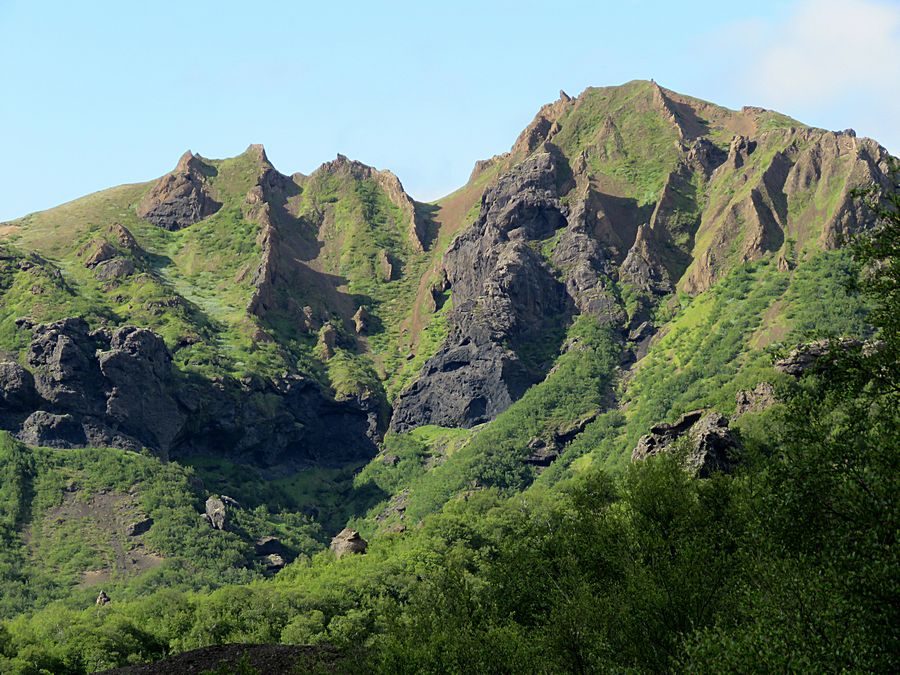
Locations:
{"points": [[704, 355]]}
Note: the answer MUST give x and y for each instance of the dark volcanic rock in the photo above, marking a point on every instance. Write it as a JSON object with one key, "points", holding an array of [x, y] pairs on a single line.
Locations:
{"points": [[180, 198], [711, 444], [55, 431], [504, 295], [138, 368], [67, 374], [17, 389], [114, 268], [813, 356], [118, 389]]}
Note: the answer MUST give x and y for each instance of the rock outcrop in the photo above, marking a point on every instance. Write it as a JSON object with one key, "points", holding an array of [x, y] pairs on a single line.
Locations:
{"points": [[817, 355], [17, 388], [711, 445], [180, 198], [217, 513], [760, 398], [348, 542], [118, 388], [504, 294]]}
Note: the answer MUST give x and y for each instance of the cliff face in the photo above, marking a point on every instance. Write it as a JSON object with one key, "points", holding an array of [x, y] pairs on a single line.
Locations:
{"points": [[611, 201], [606, 205], [120, 389], [504, 293]]}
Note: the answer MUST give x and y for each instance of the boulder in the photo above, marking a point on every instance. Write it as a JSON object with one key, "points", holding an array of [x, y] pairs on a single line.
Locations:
{"points": [[139, 527], [348, 542], [217, 513], [273, 563], [711, 444], [51, 430], [17, 389], [114, 268]]}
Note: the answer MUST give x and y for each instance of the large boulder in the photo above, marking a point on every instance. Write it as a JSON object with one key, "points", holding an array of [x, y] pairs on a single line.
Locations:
{"points": [[17, 389], [711, 445], [51, 430], [217, 513], [348, 542]]}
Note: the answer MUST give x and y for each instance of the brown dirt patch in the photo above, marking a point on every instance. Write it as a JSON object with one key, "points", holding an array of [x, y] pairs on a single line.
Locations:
{"points": [[107, 515]]}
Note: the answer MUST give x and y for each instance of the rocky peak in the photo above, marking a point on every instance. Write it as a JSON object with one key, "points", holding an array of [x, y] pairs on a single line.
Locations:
{"points": [[180, 198], [544, 126], [258, 152], [185, 162], [391, 186]]}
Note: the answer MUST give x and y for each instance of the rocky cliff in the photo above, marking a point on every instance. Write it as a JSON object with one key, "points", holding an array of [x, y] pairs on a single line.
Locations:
{"points": [[119, 388], [340, 286], [610, 202]]}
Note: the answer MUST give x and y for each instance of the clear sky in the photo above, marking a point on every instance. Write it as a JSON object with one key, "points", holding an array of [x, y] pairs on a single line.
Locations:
{"points": [[101, 93]]}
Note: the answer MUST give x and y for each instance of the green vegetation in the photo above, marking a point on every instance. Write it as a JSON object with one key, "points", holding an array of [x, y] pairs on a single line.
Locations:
{"points": [[480, 557], [63, 520]]}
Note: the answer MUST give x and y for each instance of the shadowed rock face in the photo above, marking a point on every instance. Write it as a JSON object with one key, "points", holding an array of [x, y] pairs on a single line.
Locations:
{"points": [[118, 389], [180, 198], [504, 294]]}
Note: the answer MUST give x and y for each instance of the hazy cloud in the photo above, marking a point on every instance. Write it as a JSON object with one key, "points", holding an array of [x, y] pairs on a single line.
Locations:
{"points": [[830, 48], [843, 55]]}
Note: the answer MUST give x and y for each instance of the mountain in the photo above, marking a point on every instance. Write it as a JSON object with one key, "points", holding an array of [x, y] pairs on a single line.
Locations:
{"points": [[327, 351]]}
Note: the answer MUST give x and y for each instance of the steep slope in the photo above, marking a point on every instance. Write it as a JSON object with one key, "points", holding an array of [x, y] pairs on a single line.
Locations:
{"points": [[622, 196], [456, 382], [261, 293]]}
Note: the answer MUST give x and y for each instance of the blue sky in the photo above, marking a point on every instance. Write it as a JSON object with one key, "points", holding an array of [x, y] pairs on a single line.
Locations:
{"points": [[101, 93]]}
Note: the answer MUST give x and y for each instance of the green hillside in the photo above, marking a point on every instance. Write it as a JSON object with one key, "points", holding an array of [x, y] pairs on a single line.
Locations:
{"points": [[464, 383]]}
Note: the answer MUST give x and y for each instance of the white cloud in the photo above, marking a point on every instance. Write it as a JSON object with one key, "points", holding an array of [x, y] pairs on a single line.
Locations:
{"points": [[829, 62], [829, 49]]}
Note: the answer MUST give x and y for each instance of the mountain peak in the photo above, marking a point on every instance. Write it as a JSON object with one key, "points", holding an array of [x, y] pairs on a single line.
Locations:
{"points": [[184, 161], [258, 152]]}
